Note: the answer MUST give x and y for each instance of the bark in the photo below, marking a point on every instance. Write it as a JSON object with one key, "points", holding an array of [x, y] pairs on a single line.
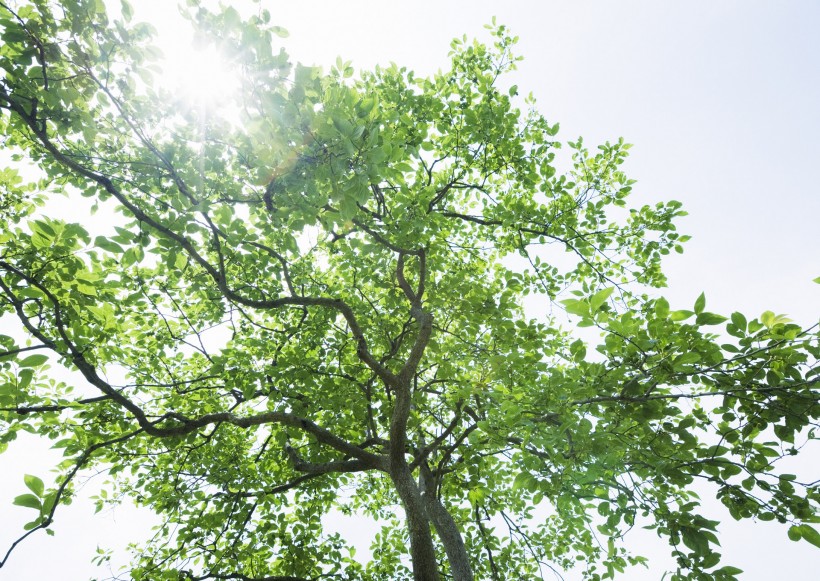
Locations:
{"points": [[446, 528], [422, 551]]}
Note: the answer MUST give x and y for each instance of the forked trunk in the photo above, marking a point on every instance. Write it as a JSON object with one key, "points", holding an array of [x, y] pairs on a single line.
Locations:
{"points": [[450, 537], [422, 551], [421, 510]]}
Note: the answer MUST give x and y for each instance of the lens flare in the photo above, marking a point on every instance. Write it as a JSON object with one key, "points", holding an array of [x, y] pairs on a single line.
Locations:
{"points": [[202, 78]]}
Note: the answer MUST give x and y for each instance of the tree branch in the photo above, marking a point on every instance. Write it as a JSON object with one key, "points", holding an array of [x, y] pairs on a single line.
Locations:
{"points": [[216, 274], [185, 425], [81, 461]]}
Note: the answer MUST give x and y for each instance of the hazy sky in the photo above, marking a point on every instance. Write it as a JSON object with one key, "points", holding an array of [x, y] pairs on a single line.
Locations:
{"points": [[722, 102]]}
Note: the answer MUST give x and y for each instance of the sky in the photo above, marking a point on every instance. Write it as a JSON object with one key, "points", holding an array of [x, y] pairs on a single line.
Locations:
{"points": [[720, 100]]}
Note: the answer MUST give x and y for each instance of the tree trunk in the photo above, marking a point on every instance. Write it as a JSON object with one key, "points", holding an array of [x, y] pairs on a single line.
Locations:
{"points": [[422, 551], [446, 528]]}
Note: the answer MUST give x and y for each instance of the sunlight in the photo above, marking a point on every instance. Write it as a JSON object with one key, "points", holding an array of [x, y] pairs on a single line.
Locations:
{"points": [[202, 78]]}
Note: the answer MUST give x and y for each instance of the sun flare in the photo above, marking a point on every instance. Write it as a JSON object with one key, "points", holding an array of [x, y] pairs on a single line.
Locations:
{"points": [[202, 78]]}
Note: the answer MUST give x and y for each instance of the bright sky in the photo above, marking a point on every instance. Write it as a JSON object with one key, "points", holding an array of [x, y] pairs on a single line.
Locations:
{"points": [[721, 102]]}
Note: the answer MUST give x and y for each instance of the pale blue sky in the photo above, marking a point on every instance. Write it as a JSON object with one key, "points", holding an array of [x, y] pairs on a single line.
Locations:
{"points": [[722, 102]]}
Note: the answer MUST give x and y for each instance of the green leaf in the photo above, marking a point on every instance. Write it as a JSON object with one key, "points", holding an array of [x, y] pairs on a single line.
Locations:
{"points": [[578, 350], [710, 560], [810, 534], [24, 378], [739, 321], [476, 495], [127, 10], [578, 307], [524, 480], [661, 308], [700, 304], [769, 319], [685, 359], [599, 298], [695, 540], [342, 125], [30, 525], [728, 571], [794, 533], [366, 106], [709, 319], [34, 484], [109, 245], [680, 315], [29, 501], [35, 360], [348, 207], [43, 228], [87, 289]]}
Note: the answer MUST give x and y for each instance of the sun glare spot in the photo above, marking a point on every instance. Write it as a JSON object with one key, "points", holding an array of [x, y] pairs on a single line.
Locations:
{"points": [[203, 78]]}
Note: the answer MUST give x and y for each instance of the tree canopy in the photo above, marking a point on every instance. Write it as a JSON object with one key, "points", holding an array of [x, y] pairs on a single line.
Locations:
{"points": [[341, 292]]}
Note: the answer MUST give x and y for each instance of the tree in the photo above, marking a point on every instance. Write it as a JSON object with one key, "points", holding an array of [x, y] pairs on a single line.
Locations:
{"points": [[320, 307]]}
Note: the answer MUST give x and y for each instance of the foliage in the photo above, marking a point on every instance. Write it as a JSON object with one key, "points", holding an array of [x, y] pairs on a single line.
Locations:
{"points": [[320, 307]]}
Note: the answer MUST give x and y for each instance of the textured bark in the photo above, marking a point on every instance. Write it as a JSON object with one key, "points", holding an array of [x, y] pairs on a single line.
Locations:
{"points": [[450, 536], [446, 528], [422, 551]]}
